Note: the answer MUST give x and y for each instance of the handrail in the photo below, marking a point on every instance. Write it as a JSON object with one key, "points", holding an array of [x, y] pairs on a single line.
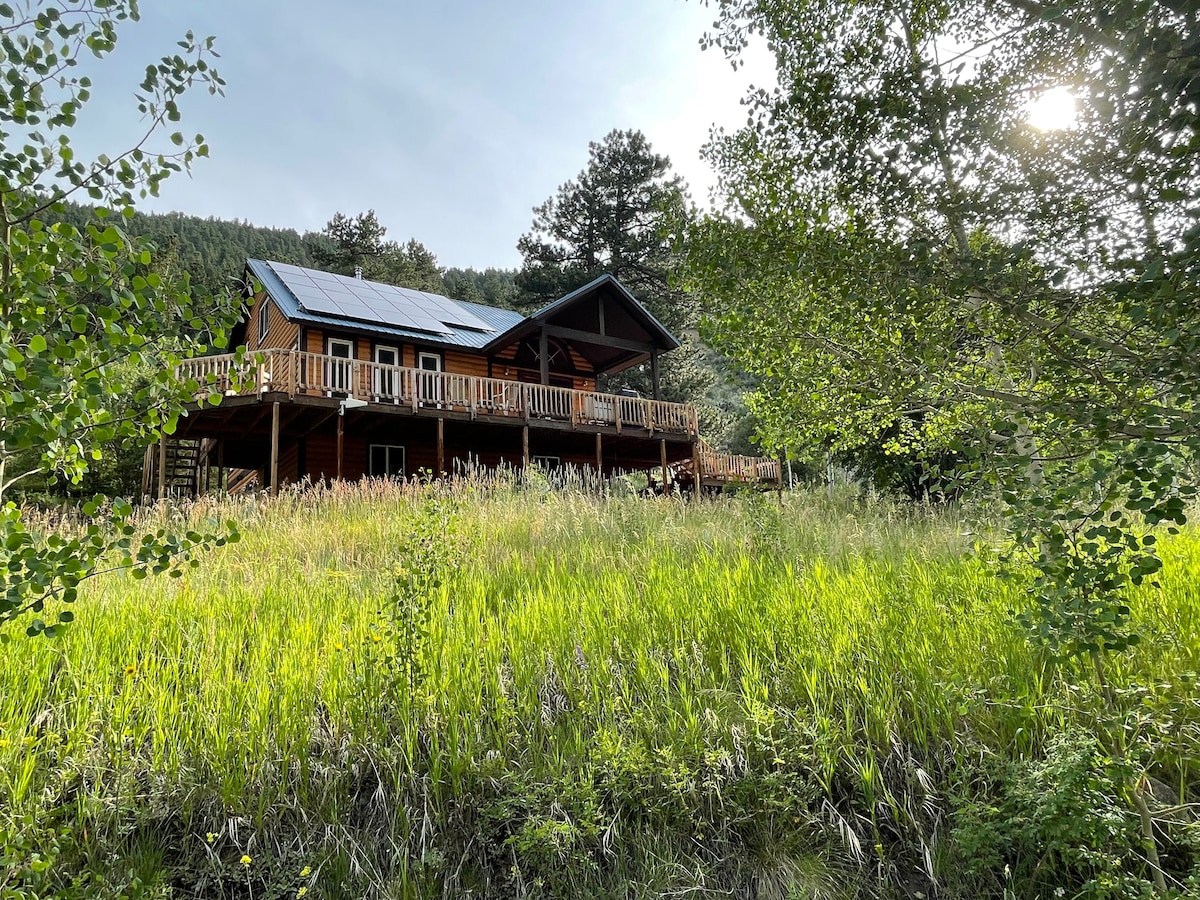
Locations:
{"points": [[298, 372]]}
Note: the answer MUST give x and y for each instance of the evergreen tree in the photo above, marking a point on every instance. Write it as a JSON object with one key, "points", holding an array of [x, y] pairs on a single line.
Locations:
{"points": [[349, 244], [491, 287], [617, 217]]}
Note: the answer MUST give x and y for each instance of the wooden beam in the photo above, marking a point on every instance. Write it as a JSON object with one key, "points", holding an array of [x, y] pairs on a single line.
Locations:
{"points": [[162, 467], [654, 374], [600, 313], [275, 449], [525, 446], [696, 467], [222, 476], [662, 458], [340, 441], [599, 454], [441, 446], [587, 337], [544, 355]]}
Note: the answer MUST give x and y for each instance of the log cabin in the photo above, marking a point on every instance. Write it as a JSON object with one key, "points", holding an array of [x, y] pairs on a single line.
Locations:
{"points": [[345, 378]]}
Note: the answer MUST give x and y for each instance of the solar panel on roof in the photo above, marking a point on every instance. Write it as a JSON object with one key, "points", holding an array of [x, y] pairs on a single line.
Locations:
{"points": [[356, 299]]}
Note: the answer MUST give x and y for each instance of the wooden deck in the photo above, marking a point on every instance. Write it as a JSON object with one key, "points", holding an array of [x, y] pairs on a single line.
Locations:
{"points": [[281, 399], [720, 469], [296, 373]]}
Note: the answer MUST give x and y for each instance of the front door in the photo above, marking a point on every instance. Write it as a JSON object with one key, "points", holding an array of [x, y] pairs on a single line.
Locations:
{"points": [[430, 386], [386, 359], [337, 368]]}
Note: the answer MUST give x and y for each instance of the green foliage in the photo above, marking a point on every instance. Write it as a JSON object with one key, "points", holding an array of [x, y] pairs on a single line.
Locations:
{"points": [[401, 638], [1053, 825], [213, 252], [616, 698], [491, 287], [80, 309], [905, 260]]}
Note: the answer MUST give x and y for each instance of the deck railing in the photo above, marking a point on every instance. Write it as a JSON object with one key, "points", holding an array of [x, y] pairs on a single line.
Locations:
{"points": [[297, 372], [729, 467]]}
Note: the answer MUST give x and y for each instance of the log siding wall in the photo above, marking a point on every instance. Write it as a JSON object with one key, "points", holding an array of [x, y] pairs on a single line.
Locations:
{"points": [[280, 331]]}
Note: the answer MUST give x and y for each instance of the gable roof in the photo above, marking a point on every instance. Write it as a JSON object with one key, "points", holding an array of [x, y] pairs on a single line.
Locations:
{"points": [[607, 284], [320, 298]]}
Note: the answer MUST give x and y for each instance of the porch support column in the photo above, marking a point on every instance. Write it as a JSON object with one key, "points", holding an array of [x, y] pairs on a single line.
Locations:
{"points": [[341, 419], [162, 467], [544, 355], [662, 456], [599, 454], [275, 449], [525, 446], [654, 373], [441, 446], [696, 467], [222, 479]]}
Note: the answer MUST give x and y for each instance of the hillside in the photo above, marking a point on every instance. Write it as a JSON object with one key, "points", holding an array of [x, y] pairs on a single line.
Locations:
{"points": [[811, 698], [214, 252]]}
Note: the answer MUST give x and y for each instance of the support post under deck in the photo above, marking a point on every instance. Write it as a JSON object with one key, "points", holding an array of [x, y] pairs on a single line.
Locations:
{"points": [[162, 467], [275, 449], [441, 446], [341, 429]]}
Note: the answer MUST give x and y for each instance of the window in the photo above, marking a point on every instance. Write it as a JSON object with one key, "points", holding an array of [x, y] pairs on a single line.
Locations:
{"points": [[385, 461], [548, 463], [337, 369], [264, 320]]}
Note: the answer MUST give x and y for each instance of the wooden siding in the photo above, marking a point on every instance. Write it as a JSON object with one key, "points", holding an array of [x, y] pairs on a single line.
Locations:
{"points": [[465, 363], [280, 332], [314, 340]]}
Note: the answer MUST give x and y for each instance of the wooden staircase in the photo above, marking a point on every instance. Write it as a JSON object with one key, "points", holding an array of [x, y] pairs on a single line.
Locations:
{"points": [[184, 464]]}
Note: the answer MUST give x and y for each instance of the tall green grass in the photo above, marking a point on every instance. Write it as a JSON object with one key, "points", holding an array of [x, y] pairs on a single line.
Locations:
{"points": [[623, 698]]}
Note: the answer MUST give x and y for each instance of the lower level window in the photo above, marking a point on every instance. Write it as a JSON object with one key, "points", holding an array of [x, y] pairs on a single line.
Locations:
{"points": [[546, 462], [385, 460]]}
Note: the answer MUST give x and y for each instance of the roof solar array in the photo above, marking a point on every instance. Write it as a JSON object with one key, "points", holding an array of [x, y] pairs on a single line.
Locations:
{"points": [[369, 301]]}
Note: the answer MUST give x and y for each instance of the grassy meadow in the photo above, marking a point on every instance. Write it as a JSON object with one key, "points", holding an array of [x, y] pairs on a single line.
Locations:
{"points": [[761, 697]]}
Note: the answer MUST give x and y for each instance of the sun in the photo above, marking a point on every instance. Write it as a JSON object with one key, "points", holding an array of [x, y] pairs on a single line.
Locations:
{"points": [[1052, 110]]}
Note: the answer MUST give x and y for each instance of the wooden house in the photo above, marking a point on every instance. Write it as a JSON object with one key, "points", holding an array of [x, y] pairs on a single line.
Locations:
{"points": [[345, 378]]}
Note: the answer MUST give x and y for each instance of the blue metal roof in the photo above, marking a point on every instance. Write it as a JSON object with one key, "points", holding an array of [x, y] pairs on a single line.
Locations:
{"points": [[500, 319]]}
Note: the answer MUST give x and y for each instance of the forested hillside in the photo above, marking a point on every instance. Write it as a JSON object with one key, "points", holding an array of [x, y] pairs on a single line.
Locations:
{"points": [[214, 251]]}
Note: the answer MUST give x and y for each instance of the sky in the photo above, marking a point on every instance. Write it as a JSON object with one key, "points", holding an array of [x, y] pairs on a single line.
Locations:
{"points": [[451, 119]]}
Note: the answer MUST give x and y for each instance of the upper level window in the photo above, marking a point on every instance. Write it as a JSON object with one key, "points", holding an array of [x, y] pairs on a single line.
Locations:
{"points": [[264, 319]]}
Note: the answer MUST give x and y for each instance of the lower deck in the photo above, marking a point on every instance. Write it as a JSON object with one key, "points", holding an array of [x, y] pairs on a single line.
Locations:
{"points": [[274, 440], [284, 417]]}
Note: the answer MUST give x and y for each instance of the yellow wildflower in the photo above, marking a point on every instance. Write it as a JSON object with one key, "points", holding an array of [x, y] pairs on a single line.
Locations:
{"points": [[305, 872], [246, 861], [130, 669], [301, 892], [210, 837]]}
